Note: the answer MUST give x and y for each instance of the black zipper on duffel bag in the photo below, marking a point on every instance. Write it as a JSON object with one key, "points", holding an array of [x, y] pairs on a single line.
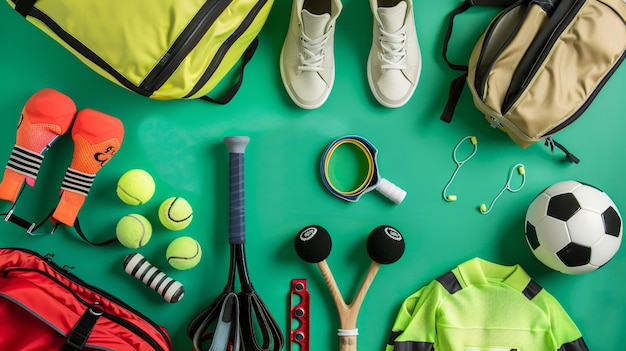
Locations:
{"points": [[121, 321], [85, 51], [482, 68], [185, 42], [537, 52], [225, 47]]}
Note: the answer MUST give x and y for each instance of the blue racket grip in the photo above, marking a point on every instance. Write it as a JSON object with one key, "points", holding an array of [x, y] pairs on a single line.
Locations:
{"points": [[237, 227]]}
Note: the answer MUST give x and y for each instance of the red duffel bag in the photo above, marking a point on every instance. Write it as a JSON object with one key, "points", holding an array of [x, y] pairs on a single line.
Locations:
{"points": [[44, 307]]}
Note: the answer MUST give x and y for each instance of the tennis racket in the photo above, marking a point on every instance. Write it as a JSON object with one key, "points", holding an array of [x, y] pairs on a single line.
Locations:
{"points": [[242, 318]]}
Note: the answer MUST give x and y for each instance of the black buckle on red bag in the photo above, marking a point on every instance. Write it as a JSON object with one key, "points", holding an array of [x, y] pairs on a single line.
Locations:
{"points": [[77, 338]]}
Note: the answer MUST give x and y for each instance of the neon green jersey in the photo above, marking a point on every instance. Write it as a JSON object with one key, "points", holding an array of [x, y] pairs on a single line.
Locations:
{"points": [[483, 306]]}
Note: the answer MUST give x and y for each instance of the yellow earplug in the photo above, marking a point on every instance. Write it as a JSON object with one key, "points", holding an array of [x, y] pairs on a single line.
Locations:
{"points": [[459, 163], [520, 169]]}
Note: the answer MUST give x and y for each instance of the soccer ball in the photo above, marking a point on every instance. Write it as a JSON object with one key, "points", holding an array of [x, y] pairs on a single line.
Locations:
{"points": [[573, 227]]}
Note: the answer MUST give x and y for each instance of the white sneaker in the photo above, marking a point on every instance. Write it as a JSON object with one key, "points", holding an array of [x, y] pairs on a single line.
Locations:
{"points": [[307, 60], [394, 62]]}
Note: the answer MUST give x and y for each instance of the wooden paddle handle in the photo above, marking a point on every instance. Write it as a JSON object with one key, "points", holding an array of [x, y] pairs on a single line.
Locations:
{"points": [[348, 313], [347, 343]]}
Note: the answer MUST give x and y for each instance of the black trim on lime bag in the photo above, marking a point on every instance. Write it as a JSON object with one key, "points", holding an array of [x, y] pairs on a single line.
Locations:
{"points": [[84, 51], [224, 48], [230, 93], [186, 41], [24, 6]]}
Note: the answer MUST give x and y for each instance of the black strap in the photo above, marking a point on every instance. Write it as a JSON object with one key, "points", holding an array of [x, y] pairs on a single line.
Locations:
{"points": [[230, 93], [465, 5], [456, 88], [457, 85], [551, 143], [80, 232], [462, 8], [29, 226], [77, 338], [24, 6], [32, 227]]}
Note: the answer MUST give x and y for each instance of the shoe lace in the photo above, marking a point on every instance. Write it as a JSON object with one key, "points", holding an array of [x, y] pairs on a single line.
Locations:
{"points": [[393, 47], [312, 54]]}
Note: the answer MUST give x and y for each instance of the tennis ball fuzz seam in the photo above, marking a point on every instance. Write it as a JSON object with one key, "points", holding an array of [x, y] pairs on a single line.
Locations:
{"points": [[183, 253], [133, 231], [175, 213], [135, 187]]}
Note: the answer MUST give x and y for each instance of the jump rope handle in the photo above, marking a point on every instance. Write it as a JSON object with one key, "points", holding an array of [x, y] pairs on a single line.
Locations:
{"points": [[136, 265], [391, 191], [237, 228]]}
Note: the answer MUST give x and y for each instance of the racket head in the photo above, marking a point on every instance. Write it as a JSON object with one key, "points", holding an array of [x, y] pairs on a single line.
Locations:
{"points": [[267, 334], [200, 326]]}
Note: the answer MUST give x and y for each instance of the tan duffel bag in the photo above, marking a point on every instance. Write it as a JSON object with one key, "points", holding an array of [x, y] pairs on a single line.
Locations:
{"points": [[539, 64]]}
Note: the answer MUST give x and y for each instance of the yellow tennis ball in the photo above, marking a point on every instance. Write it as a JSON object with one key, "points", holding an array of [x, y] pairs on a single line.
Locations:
{"points": [[183, 253], [135, 187], [133, 231], [175, 213]]}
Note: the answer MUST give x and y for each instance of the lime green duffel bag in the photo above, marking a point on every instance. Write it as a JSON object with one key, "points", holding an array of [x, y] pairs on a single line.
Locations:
{"points": [[163, 49]]}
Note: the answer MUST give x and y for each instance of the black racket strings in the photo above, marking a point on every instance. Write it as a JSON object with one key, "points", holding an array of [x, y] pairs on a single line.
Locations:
{"points": [[254, 309], [252, 319], [200, 328]]}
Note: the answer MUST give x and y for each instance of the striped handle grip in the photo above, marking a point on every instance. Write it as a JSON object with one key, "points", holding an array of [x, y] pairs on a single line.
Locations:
{"points": [[137, 266]]}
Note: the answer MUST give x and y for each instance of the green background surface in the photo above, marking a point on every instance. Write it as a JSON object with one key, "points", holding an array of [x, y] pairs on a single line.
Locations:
{"points": [[180, 144]]}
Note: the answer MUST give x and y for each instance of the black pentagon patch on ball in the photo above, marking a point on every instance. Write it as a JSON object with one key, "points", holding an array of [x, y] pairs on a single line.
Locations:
{"points": [[563, 206], [612, 222], [574, 255], [531, 235]]}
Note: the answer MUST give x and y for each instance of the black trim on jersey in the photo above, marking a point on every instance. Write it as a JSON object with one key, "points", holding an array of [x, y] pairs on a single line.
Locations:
{"points": [[576, 345], [418, 346], [393, 336], [450, 282], [532, 289]]}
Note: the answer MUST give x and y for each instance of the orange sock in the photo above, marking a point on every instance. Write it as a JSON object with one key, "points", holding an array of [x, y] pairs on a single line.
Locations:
{"points": [[97, 137], [47, 115]]}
